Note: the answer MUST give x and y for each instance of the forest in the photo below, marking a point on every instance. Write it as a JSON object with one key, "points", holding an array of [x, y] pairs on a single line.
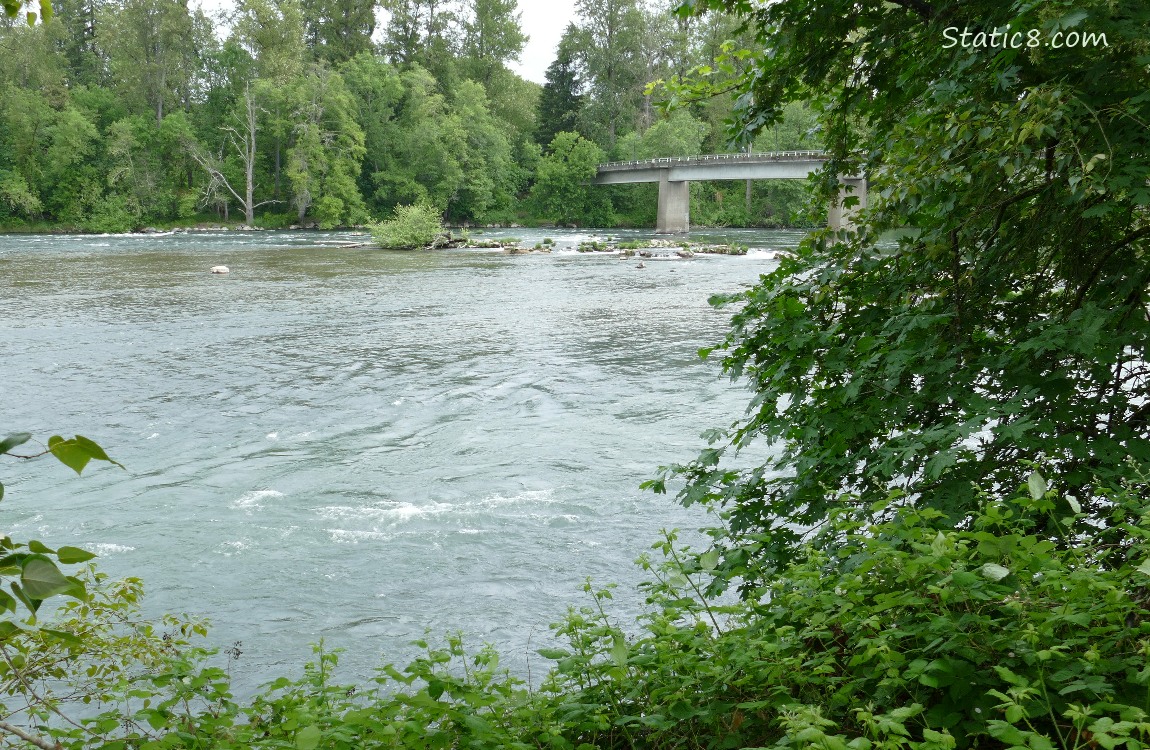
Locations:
{"points": [[121, 114]]}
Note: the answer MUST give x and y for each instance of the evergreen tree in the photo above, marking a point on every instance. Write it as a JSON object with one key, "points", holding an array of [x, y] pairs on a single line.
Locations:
{"points": [[78, 20], [338, 30], [561, 100]]}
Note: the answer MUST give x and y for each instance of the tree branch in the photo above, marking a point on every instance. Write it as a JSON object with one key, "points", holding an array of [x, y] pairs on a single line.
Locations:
{"points": [[1128, 239], [926, 10], [35, 740]]}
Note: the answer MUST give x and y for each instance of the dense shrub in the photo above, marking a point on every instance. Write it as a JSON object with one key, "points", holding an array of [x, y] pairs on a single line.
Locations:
{"points": [[414, 226]]}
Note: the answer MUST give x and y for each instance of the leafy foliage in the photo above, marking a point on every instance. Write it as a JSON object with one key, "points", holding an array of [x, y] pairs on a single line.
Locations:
{"points": [[412, 227], [32, 566], [122, 114], [1007, 324], [562, 186]]}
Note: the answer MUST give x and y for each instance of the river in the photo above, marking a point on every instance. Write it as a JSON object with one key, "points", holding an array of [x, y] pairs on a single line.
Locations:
{"points": [[358, 445]]}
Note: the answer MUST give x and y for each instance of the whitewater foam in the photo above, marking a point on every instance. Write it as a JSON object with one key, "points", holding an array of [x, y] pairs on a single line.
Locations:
{"points": [[254, 500]]}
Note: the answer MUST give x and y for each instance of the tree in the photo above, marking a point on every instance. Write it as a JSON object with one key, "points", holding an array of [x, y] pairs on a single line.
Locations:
{"points": [[423, 161], [272, 33], [338, 30], [44, 8], [561, 100], [492, 36], [489, 176], [241, 136], [1008, 328], [679, 134], [86, 61], [611, 38], [422, 32], [153, 49], [562, 188], [404, 35], [328, 147], [377, 91]]}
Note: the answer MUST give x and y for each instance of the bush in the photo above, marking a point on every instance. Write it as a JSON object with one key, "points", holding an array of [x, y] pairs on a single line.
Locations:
{"points": [[411, 227], [114, 214], [912, 634]]}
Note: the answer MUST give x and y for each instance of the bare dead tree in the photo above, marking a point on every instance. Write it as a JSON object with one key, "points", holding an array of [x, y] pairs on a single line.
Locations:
{"points": [[242, 137]]}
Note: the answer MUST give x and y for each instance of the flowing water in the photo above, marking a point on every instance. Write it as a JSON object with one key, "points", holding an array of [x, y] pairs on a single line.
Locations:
{"points": [[359, 445]]}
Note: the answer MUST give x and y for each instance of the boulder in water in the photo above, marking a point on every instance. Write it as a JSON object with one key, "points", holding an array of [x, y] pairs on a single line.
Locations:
{"points": [[221, 269]]}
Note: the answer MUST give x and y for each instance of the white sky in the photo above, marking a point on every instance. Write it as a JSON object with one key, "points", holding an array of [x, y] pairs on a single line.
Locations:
{"points": [[542, 20]]}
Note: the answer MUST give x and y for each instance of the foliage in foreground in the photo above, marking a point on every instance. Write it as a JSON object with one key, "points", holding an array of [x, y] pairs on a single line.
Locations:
{"points": [[1009, 325], [411, 227], [910, 635]]}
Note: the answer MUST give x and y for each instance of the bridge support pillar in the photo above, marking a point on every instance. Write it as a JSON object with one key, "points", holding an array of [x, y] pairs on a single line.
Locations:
{"points": [[674, 206], [839, 217]]}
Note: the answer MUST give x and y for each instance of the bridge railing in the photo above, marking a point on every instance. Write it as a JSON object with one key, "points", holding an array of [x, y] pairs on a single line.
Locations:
{"points": [[763, 156]]}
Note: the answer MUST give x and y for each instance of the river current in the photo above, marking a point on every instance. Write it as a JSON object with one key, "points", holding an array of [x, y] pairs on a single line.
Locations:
{"points": [[356, 445]]}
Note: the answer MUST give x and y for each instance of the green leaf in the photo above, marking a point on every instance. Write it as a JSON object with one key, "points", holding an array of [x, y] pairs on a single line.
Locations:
{"points": [[41, 578], [72, 555], [69, 453], [557, 653], [1144, 567], [1073, 18], [994, 572], [94, 450], [708, 560], [8, 629], [619, 652], [31, 604], [1037, 485], [14, 440], [40, 548], [64, 637], [308, 738]]}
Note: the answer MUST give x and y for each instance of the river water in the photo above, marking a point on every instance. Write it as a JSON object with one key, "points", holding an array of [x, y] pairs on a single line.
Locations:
{"points": [[359, 445]]}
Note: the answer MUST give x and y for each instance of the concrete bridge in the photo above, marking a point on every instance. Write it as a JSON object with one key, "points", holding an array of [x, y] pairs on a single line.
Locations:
{"points": [[675, 174]]}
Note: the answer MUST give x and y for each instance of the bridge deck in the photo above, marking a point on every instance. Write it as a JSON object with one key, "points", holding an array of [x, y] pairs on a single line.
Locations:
{"points": [[714, 159]]}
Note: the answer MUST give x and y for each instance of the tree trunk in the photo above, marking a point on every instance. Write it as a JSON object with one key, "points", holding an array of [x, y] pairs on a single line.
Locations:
{"points": [[279, 147], [250, 159], [160, 101], [249, 191]]}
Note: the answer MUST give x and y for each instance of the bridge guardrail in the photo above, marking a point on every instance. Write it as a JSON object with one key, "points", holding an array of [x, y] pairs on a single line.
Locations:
{"points": [[765, 156]]}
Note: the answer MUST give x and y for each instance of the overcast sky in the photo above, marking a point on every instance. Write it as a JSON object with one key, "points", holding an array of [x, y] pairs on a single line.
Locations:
{"points": [[543, 21]]}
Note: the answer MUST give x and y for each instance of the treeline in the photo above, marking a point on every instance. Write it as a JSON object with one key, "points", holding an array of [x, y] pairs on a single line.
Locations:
{"points": [[116, 114]]}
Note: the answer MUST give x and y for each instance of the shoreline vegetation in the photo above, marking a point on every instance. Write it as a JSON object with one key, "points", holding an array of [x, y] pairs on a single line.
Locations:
{"points": [[947, 546], [201, 225], [128, 114]]}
